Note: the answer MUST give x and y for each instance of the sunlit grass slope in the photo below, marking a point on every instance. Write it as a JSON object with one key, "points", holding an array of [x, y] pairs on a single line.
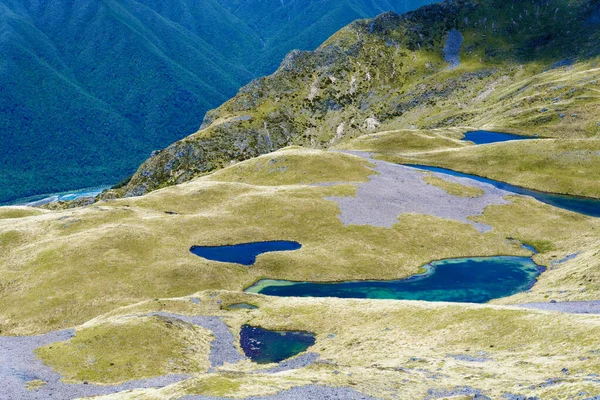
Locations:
{"points": [[551, 165], [61, 268], [130, 348], [387, 348]]}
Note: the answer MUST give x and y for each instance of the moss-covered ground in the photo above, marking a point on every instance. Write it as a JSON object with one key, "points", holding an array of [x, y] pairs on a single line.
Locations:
{"points": [[123, 251], [569, 166], [380, 86], [130, 348], [296, 165], [560, 166]]}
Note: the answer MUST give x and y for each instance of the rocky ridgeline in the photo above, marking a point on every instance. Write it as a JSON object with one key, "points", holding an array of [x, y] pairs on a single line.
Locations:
{"points": [[434, 67]]}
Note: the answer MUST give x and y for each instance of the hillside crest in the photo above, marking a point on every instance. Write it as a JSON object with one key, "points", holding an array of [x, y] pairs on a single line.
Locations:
{"points": [[443, 65]]}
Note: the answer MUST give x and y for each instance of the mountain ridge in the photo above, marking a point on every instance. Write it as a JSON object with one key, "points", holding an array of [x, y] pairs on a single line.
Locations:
{"points": [[390, 73]]}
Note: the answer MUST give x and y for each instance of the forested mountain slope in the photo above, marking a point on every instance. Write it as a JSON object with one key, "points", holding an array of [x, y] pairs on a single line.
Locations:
{"points": [[89, 88]]}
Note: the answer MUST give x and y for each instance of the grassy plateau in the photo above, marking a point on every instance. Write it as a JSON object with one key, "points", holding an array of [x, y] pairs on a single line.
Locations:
{"points": [[116, 261]]}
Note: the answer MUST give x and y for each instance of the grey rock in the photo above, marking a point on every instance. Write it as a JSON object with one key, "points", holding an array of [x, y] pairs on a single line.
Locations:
{"points": [[301, 361], [510, 396], [451, 49], [464, 357], [398, 189], [573, 307], [457, 391], [309, 392], [222, 348]]}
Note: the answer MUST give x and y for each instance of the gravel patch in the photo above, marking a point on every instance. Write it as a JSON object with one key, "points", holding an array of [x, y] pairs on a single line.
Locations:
{"points": [[329, 184], [510, 396], [452, 47], [309, 392], [547, 383], [465, 357], [574, 307], [474, 394], [223, 349], [398, 189], [19, 365]]}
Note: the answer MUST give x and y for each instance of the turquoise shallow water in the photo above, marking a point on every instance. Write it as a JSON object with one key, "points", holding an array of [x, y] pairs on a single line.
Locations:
{"points": [[472, 280], [264, 346]]}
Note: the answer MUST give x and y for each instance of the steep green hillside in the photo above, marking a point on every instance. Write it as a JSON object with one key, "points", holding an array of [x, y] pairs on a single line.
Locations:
{"points": [[89, 89], [523, 66]]}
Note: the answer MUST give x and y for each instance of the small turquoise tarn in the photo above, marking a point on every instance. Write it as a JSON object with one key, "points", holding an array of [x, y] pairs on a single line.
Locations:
{"points": [[264, 346], [465, 280], [244, 253]]}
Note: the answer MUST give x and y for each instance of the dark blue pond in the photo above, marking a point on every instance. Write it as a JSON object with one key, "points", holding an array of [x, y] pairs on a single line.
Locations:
{"points": [[244, 253], [264, 346], [486, 137], [466, 280], [578, 204]]}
